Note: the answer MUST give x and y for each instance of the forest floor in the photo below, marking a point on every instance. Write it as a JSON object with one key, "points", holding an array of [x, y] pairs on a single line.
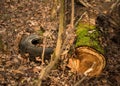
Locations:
{"points": [[18, 17]]}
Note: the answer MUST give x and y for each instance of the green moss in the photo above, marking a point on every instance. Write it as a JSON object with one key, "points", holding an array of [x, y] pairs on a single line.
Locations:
{"points": [[88, 35], [40, 32]]}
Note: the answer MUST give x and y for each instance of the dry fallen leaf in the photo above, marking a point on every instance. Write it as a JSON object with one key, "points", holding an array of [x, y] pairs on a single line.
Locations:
{"points": [[37, 69], [17, 71]]}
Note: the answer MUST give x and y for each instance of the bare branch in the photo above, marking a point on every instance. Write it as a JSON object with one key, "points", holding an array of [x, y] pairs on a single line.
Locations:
{"points": [[43, 52], [72, 14], [57, 53], [88, 5]]}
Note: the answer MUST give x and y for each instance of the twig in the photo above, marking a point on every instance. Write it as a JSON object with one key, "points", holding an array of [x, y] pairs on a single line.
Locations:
{"points": [[88, 5], [57, 53], [80, 81], [43, 52], [72, 14], [47, 69], [80, 18], [85, 74], [113, 5], [54, 9], [70, 33]]}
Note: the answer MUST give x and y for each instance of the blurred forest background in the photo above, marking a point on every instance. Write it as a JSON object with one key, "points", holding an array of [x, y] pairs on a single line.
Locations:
{"points": [[42, 17]]}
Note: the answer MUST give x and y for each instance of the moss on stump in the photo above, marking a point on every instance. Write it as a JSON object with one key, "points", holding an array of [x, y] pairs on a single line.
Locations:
{"points": [[88, 35]]}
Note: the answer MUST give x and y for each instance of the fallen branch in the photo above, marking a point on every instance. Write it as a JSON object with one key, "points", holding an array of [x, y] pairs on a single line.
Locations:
{"points": [[113, 5], [88, 5], [77, 22]]}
